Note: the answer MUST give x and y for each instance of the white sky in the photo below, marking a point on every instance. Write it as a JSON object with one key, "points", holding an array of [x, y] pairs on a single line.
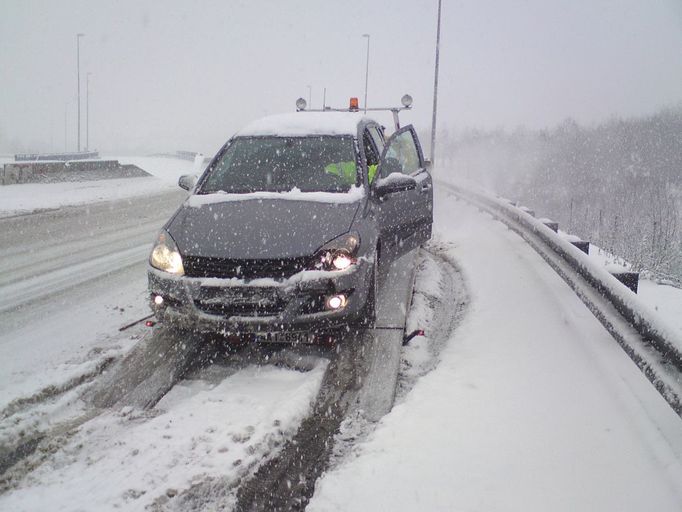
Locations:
{"points": [[186, 75]]}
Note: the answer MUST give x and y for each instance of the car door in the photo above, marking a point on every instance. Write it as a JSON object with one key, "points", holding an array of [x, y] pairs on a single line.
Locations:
{"points": [[405, 216]]}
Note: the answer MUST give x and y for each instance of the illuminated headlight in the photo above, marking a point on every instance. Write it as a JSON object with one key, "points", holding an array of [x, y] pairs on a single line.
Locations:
{"points": [[341, 261], [336, 302], [339, 254], [165, 255]]}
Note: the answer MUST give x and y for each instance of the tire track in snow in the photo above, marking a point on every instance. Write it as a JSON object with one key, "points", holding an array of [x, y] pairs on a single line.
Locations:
{"points": [[292, 476], [139, 379], [287, 482], [439, 303], [438, 312]]}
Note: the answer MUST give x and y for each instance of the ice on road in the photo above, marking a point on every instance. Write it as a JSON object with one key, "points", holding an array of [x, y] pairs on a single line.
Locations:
{"points": [[533, 407]]}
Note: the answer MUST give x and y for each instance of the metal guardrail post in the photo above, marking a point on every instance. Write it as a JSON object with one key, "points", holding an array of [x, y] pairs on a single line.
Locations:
{"points": [[582, 245]]}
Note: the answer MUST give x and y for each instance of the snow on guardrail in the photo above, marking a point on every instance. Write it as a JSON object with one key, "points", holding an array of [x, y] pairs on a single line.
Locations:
{"points": [[654, 332]]}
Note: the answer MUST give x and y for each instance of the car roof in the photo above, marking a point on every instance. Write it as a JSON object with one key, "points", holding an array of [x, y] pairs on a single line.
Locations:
{"points": [[298, 124]]}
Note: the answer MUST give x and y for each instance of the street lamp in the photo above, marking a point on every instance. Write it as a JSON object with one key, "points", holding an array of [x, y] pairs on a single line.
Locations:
{"points": [[310, 95], [366, 70], [66, 110], [87, 111], [67, 104], [78, 88], [435, 91]]}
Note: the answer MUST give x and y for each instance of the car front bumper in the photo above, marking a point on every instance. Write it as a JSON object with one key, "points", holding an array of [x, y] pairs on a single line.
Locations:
{"points": [[235, 306]]}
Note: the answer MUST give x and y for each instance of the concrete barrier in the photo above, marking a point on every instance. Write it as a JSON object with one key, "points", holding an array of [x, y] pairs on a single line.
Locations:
{"points": [[63, 157], [55, 172]]}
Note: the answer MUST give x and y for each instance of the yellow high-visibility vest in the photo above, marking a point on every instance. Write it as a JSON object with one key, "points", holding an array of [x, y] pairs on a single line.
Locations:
{"points": [[347, 171], [344, 170]]}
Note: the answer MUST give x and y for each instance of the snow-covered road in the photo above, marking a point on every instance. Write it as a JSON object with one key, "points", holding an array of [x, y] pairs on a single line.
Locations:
{"points": [[529, 405], [69, 279], [532, 407]]}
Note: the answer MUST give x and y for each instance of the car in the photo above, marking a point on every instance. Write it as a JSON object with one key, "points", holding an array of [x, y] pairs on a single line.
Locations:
{"points": [[282, 236]]}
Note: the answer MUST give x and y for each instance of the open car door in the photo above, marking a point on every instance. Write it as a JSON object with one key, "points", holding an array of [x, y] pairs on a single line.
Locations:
{"points": [[405, 193]]}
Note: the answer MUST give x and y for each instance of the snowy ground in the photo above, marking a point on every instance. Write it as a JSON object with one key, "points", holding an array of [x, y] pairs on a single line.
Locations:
{"points": [[528, 405], [202, 429], [532, 407]]}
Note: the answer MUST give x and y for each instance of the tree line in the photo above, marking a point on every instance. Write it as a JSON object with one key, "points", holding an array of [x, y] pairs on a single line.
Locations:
{"points": [[617, 184]]}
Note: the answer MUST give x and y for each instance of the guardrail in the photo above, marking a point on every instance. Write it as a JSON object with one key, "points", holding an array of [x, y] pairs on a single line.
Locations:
{"points": [[651, 344]]}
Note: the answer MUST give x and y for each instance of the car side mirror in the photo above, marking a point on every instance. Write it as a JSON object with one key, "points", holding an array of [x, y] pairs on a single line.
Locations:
{"points": [[428, 165], [392, 183], [187, 181]]}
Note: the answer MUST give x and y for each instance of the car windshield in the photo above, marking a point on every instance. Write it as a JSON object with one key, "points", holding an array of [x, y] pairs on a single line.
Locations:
{"points": [[277, 164]]}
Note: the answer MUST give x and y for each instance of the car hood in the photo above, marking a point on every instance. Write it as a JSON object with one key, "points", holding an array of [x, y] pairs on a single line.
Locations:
{"points": [[259, 229]]}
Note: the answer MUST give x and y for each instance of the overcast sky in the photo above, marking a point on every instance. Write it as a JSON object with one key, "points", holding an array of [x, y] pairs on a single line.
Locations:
{"points": [[170, 75]]}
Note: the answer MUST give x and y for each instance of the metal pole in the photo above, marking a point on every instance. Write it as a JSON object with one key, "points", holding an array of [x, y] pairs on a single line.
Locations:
{"points": [[310, 95], [87, 111], [435, 91], [66, 107], [78, 88], [366, 70]]}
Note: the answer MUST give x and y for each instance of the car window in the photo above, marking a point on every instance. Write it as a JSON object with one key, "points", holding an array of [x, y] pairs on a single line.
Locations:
{"points": [[276, 164], [402, 155], [371, 154], [377, 137]]}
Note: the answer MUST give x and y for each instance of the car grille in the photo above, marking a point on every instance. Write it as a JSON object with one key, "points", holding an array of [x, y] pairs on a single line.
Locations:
{"points": [[227, 309], [199, 266], [242, 302]]}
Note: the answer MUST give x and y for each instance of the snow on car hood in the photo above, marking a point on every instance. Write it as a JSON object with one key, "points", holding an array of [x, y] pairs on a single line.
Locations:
{"points": [[263, 227]]}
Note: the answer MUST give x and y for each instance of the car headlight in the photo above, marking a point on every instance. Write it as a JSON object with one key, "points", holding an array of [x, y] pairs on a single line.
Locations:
{"points": [[165, 255], [339, 254]]}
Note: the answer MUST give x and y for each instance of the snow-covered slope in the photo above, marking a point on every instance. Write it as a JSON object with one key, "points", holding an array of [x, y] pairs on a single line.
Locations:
{"points": [[533, 406]]}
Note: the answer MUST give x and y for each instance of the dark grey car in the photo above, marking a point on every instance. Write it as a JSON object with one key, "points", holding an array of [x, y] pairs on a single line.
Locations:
{"points": [[283, 233]]}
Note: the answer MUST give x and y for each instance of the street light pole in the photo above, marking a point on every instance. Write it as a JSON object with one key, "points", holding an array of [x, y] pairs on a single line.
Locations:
{"points": [[435, 91], [366, 70], [87, 111], [310, 96], [66, 108], [78, 88]]}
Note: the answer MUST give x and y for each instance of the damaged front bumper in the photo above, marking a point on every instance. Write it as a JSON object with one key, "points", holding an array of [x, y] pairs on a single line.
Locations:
{"points": [[236, 306]]}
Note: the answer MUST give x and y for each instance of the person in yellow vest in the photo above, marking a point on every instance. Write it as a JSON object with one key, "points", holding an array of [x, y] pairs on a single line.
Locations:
{"points": [[346, 171]]}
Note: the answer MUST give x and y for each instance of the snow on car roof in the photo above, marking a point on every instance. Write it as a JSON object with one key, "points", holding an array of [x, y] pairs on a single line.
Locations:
{"points": [[297, 124]]}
